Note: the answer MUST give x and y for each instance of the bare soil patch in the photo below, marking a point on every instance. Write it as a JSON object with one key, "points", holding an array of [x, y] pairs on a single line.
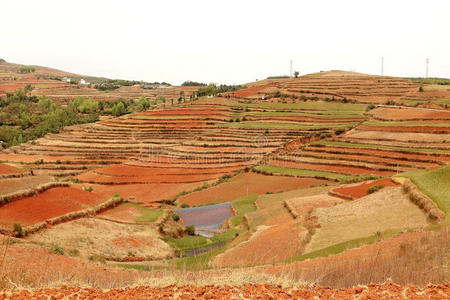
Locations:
{"points": [[51, 203]]}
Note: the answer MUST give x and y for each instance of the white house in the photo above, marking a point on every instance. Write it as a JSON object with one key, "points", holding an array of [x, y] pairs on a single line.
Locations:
{"points": [[82, 81]]}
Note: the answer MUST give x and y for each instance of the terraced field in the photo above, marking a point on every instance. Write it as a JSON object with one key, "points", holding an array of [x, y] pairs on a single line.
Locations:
{"points": [[374, 148], [195, 143], [269, 184]]}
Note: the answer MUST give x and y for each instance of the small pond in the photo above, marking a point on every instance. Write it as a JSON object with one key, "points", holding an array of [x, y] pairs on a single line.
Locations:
{"points": [[208, 219]]}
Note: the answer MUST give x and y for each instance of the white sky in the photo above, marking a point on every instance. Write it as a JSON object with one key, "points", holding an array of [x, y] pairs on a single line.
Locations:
{"points": [[226, 41]]}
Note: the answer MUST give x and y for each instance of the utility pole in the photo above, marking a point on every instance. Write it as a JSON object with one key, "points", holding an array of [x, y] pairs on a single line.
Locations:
{"points": [[290, 73], [382, 66], [426, 72]]}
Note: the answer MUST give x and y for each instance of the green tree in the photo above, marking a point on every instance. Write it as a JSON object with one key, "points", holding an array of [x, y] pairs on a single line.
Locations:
{"points": [[143, 104], [118, 109]]}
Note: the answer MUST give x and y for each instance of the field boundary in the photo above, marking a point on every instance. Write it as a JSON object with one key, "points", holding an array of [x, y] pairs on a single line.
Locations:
{"points": [[423, 202]]}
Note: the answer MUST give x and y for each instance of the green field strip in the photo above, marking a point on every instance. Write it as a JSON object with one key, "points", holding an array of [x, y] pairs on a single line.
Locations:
{"points": [[378, 147]]}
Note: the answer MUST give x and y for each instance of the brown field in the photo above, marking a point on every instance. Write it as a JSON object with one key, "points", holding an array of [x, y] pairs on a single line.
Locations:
{"points": [[93, 236], [386, 209]]}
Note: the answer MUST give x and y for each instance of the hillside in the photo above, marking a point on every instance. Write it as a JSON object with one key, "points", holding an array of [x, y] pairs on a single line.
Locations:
{"points": [[52, 83], [321, 184], [351, 86]]}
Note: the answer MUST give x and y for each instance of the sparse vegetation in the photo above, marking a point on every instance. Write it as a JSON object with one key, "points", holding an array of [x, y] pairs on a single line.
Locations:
{"points": [[374, 189]]}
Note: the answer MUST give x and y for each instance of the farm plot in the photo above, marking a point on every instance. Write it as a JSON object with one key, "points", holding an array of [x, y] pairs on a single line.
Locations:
{"points": [[15, 185], [48, 204], [257, 184], [387, 209], [92, 237], [355, 191], [269, 244], [10, 170], [131, 213], [408, 114]]}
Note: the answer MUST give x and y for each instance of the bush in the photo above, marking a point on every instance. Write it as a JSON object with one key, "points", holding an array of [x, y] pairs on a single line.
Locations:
{"points": [[175, 217], [89, 189], [374, 188], [57, 250], [185, 205], [339, 131], [421, 89], [370, 106], [17, 230], [190, 230]]}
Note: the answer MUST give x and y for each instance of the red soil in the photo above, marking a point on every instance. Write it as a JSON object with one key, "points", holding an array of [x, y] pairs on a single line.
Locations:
{"points": [[7, 169], [51, 203], [386, 113], [130, 242], [360, 190], [250, 91], [91, 177], [137, 171], [126, 213], [387, 290], [274, 244], [237, 187], [146, 193]]}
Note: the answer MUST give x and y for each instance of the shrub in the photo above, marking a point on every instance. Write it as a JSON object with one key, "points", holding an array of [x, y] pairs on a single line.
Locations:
{"points": [[58, 162], [238, 120], [374, 188], [97, 258], [89, 189], [339, 131], [17, 230], [231, 120], [175, 217], [370, 106], [190, 230], [57, 250], [420, 88], [185, 205]]}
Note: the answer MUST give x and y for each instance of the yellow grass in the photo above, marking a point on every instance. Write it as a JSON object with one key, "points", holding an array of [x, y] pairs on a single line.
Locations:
{"points": [[387, 209]]}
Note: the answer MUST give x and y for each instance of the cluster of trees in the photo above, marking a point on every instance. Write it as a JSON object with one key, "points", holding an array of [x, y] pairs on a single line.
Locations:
{"points": [[24, 118], [26, 69], [212, 89], [192, 83], [113, 84], [432, 80]]}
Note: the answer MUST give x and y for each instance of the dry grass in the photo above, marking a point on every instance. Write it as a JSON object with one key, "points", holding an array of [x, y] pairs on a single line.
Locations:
{"points": [[90, 236], [378, 212]]}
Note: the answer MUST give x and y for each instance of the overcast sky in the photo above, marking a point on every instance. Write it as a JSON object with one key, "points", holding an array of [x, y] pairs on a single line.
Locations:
{"points": [[226, 41]]}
